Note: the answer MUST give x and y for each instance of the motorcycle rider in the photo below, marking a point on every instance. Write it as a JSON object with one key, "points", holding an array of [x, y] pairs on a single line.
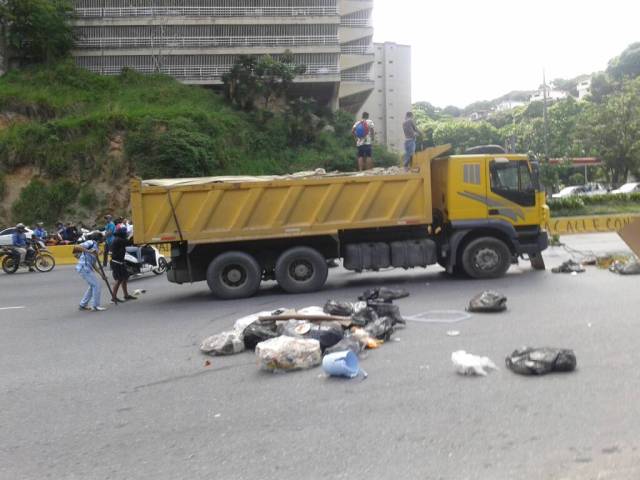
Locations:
{"points": [[19, 242], [118, 267]]}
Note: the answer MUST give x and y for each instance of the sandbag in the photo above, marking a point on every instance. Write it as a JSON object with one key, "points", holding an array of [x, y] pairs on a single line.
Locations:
{"points": [[488, 301], [339, 309], [347, 343], [382, 328], [287, 353], [385, 294], [258, 332], [570, 266], [387, 310], [540, 361], [225, 343], [327, 333]]}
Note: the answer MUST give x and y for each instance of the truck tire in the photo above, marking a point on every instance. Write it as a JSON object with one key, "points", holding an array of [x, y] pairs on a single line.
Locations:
{"points": [[301, 270], [486, 257], [234, 275]]}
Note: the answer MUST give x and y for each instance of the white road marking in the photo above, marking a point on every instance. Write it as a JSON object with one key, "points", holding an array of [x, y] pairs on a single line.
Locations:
{"points": [[11, 308]]}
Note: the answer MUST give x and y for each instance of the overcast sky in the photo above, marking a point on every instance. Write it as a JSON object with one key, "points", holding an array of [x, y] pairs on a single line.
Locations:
{"points": [[468, 50]]}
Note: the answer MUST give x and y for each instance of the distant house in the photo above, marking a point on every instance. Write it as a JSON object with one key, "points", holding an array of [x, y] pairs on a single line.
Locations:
{"points": [[509, 105], [552, 94], [479, 115], [584, 89]]}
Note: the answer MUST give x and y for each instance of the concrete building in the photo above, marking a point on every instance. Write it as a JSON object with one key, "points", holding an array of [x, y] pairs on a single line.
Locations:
{"points": [[197, 41], [584, 89], [391, 97]]}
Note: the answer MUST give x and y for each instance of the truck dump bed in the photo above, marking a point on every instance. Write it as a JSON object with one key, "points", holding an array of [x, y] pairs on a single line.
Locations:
{"points": [[225, 209]]}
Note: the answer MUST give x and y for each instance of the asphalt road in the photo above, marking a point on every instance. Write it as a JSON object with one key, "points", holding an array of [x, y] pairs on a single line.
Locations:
{"points": [[125, 394]]}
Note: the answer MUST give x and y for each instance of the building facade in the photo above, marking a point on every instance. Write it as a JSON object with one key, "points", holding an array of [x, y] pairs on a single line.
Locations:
{"points": [[197, 41], [391, 97]]}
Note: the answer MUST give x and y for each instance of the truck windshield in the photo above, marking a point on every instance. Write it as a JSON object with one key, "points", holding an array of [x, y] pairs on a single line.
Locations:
{"points": [[513, 181]]}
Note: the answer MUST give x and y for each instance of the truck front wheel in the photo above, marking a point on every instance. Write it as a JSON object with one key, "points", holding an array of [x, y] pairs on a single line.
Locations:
{"points": [[486, 257], [301, 270], [234, 275]]}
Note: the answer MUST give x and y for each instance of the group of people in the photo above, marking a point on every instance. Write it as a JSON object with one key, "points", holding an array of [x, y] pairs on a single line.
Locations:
{"points": [[364, 133], [116, 238]]}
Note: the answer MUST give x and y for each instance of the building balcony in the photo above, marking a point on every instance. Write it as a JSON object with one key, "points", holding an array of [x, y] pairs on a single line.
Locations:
{"points": [[209, 11], [204, 42], [356, 49]]}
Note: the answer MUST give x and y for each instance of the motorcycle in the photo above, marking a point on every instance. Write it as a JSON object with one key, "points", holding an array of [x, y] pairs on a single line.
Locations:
{"points": [[144, 259], [40, 258]]}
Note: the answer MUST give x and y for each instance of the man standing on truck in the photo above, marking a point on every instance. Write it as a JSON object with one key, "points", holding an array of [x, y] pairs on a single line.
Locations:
{"points": [[363, 132], [410, 133]]}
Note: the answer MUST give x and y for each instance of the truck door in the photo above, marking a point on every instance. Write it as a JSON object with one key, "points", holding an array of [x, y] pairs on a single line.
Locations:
{"points": [[512, 192], [468, 189]]}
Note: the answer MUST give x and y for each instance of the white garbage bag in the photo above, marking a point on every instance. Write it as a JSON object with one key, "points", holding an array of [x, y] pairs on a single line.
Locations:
{"points": [[225, 343], [468, 364], [288, 353]]}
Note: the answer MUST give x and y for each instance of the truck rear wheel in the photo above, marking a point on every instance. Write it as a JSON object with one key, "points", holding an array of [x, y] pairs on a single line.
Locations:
{"points": [[234, 275], [301, 270], [486, 257]]}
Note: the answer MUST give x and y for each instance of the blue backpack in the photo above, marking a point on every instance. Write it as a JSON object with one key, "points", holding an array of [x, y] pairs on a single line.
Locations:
{"points": [[362, 129]]}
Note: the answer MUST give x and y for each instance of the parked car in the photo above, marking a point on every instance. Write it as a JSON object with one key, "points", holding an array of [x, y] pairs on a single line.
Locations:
{"points": [[580, 190], [6, 235], [633, 187]]}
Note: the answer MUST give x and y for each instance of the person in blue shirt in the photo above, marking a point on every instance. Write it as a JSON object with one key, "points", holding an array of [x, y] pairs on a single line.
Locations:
{"points": [[20, 244], [88, 257], [109, 231], [39, 232]]}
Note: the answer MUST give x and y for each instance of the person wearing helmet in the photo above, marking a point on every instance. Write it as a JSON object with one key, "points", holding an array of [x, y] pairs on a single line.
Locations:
{"points": [[20, 244], [118, 267], [88, 251]]}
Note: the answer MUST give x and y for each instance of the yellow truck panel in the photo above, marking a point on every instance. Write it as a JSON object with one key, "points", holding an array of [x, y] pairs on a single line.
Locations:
{"points": [[222, 211]]}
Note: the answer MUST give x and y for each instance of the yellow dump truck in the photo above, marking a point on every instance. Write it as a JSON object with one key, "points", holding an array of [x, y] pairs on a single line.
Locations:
{"points": [[472, 214]]}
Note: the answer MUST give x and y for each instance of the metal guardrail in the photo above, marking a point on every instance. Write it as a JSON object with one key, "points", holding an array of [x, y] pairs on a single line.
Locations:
{"points": [[226, 41], [198, 72], [356, 77], [117, 12], [356, 50]]}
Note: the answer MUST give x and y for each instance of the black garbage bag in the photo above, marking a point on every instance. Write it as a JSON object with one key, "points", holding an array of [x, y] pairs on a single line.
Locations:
{"points": [[385, 294], [364, 316], [387, 310], [258, 332], [327, 333], [347, 343], [382, 328], [539, 361], [340, 309], [488, 301], [569, 266]]}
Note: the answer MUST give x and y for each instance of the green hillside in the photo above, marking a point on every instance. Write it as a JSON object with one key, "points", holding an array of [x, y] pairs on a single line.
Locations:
{"points": [[70, 140]]}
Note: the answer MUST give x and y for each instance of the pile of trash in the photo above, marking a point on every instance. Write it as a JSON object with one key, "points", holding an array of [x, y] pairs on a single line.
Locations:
{"points": [[627, 266], [333, 335]]}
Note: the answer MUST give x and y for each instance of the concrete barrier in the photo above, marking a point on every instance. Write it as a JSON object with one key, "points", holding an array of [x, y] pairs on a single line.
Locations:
{"points": [[589, 224]]}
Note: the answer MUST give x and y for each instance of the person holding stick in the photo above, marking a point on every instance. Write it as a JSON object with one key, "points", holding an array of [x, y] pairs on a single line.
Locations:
{"points": [[118, 268], [88, 251]]}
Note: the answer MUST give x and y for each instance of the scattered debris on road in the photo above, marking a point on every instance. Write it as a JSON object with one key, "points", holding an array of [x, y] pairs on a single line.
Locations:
{"points": [[629, 266], [468, 364], [453, 333], [341, 364], [281, 337], [570, 266], [487, 302], [539, 361]]}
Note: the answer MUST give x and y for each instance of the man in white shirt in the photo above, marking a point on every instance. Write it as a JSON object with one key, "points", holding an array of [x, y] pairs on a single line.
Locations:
{"points": [[363, 132]]}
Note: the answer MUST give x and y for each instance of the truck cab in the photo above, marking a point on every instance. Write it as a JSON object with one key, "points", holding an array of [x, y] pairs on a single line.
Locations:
{"points": [[488, 206]]}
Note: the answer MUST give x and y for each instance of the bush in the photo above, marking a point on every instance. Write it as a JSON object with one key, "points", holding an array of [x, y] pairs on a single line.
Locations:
{"points": [[3, 185], [88, 198], [567, 203], [41, 202]]}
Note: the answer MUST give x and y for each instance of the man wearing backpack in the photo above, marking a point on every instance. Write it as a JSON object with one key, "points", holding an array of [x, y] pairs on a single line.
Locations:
{"points": [[363, 132]]}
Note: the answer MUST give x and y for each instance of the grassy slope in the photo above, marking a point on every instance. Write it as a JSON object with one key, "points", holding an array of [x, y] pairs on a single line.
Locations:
{"points": [[71, 119]]}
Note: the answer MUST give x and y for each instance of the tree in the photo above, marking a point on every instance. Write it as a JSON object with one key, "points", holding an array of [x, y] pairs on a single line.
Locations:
{"points": [[267, 77], [627, 65], [36, 31], [611, 130]]}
